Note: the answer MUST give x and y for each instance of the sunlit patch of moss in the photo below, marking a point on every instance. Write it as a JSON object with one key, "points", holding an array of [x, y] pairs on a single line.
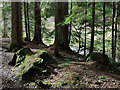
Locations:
{"points": [[31, 63], [21, 55], [47, 83], [43, 84], [19, 60], [40, 51], [65, 63], [33, 84], [24, 51], [26, 65], [44, 71]]}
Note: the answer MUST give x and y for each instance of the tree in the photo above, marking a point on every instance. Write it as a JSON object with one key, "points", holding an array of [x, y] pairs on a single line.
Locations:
{"points": [[85, 31], [104, 28], [92, 33], [56, 51], [61, 31], [116, 27], [113, 16], [37, 34], [118, 37], [70, 23], [16, 34], [26, 25], [28, 22]]}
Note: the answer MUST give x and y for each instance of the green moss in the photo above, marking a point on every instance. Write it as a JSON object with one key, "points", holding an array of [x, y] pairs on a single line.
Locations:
{"points": [[64, 64], [30, 62], [26, 65], [40, 51], [44, 71], [98, 57], [43, 85], [24, 51], [47, 83], [114, 64], [31, 65]]}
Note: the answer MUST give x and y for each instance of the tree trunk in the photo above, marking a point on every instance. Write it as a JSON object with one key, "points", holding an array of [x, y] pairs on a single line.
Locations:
{"points": [[118, 38], [116, 23], [25, 15], [104, 28], [85, 31], [56, 51], [62, 30], [16, 26], [37, 34], [28, 22], [79, 41], [70, 25], [92, 33], [113, 15]]}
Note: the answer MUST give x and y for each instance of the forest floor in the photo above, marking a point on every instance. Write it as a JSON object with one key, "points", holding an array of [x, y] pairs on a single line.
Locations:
{"points": [[71, 72]]}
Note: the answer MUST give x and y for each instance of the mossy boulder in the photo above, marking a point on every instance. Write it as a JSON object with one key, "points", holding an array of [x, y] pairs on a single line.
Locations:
{"points": [[24, 51], [98, 57], [32, 63], [103, 59], [36, 64], [116, 65], [19, 56]]}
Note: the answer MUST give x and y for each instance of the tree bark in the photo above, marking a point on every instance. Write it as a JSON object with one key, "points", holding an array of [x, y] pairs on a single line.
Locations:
{"points": [[104, 28], [70, 24], [79, 41], [113, 15], [28, 22], [116, 27], [26, 26], [16, 34], [85, 31], [118, 37], [56, 51], [62, 30], [37, 34], [92, 33]]}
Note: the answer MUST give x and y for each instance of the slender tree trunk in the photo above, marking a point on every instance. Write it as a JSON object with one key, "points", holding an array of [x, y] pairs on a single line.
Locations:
{"points": [[118, 37], [70, 25], [116, 28], [92, 33], [104, 28], [85, 31], [65, 27], [26, 26], [79, 42], [16, 34], [37, 34], [28, 22], [56, 51], [113, 15]]}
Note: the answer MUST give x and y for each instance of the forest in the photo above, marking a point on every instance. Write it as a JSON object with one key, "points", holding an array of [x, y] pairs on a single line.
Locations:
{"points": [[50, 45]]}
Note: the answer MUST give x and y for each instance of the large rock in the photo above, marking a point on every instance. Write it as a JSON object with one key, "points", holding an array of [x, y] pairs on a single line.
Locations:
{"points": [[32, 63], [19, 56], [98, 57]]}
